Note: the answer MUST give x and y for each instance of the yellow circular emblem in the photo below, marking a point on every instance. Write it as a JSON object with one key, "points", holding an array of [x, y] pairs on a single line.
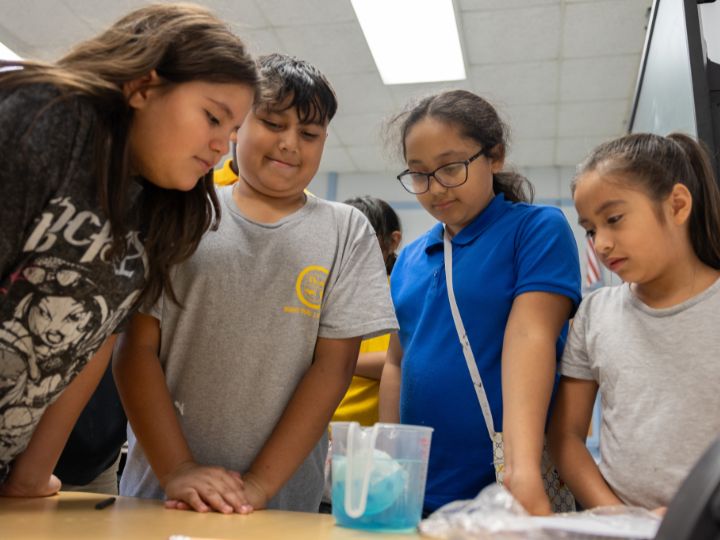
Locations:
{"points": [[310, 286]]}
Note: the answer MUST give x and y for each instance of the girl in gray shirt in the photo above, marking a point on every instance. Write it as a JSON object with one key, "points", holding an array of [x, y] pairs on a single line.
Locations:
{"points": [[651, 206]]}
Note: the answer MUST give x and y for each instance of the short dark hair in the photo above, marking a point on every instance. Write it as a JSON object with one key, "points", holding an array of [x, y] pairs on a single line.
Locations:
{"points": [[290, 82]]}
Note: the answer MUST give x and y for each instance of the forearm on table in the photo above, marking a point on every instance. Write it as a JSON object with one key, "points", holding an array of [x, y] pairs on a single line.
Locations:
{"points": [[306, 416], [582, 475], [149, 408], [37, 462], [567, 433]]}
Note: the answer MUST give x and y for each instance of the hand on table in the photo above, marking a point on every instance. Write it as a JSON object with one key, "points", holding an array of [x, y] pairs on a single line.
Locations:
{"points": [[17, 487], [255, 493], [204, 488], [528, 490]]}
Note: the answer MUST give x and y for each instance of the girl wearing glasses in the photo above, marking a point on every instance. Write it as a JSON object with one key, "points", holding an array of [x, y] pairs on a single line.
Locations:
{"points": [[516, 281]]}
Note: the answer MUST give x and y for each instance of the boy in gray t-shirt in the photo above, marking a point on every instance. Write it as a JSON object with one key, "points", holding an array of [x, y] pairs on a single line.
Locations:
{"points": [[244, 377]]}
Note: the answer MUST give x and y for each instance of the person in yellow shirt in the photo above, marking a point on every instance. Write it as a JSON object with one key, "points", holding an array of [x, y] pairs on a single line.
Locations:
{"points": [[360, 403], [227, 174]]}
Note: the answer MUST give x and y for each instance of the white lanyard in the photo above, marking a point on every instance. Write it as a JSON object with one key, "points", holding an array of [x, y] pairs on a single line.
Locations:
{"points": [[464, 342]]}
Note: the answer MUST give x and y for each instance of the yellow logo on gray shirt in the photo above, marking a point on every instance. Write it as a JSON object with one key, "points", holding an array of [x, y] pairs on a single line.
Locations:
{"points": [[309, 287]]}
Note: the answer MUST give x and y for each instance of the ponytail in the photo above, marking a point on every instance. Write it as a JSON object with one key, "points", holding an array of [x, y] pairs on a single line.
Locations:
{"points": [[514, 186], [657, 163], [705, 215]]}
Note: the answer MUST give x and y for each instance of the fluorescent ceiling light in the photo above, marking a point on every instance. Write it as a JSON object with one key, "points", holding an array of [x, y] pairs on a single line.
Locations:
{"points": [[412, 40], [7, 54]]}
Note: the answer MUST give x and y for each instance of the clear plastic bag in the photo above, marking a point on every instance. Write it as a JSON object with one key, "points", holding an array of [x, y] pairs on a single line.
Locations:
{"points": [[495, 514]]}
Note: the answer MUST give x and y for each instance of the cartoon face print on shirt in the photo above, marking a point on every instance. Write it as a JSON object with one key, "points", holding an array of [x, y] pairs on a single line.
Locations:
{"points": [[50, 322], [57, 321], [54, 329]]}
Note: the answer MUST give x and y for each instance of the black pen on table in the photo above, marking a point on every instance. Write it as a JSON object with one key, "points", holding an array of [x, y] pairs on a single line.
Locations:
{"points": [[104, 503]]}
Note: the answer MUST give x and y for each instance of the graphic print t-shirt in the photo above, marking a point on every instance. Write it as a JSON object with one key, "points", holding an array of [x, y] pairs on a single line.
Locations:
{"points": [[61, 295]]}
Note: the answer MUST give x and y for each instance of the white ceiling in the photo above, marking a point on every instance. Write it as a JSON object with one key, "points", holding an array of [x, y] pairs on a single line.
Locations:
{"points": [[562, 72]]}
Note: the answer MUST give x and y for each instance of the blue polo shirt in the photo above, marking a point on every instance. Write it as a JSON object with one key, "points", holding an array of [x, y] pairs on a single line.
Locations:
{"points": [[507, 250]]}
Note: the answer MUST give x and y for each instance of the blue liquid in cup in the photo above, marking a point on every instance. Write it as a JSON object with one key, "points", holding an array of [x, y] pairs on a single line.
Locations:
{"points": [[395, 495]]}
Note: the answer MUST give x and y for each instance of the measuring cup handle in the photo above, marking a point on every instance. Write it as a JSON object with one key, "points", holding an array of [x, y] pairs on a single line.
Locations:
{"points": [[354, 435]]}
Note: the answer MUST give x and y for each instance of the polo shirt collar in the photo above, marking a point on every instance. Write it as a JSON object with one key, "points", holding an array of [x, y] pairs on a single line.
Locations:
{"points": [[490, 214]]}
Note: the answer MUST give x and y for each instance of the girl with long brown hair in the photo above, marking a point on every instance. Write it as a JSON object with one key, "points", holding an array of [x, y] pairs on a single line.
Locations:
{"points": [[106, 183]]}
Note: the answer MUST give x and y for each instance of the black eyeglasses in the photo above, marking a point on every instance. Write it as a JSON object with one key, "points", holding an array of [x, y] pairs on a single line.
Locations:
{"points": [[450, 175]]}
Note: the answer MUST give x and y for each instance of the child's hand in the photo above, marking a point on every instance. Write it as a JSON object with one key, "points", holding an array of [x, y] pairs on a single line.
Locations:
{"points": [[15, 487], [202, 488], [528, 490], [660, 511], [255, 493]]}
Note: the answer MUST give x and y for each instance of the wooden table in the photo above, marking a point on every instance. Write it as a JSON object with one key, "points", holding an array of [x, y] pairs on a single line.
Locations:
{"points": [[73, 516]]}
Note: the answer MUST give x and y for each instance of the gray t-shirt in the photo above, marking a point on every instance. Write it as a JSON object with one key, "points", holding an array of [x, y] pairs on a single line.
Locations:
{"points": [[658, 372], [256, 299]]}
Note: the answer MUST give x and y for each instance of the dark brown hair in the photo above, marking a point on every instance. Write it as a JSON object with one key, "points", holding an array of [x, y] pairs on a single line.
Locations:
{"points": [[655, 164], [182, 43], [290, 82], [477, 120], [383, 219]]}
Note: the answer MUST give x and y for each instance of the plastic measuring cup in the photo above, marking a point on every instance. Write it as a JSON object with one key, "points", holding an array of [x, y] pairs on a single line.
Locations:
{"points": [[378, 474]]}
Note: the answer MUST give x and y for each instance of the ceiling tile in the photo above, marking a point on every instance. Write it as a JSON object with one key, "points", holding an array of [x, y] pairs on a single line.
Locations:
{"points": [[545, 179], [332, 138], [32, 34], [598, 78], [404, 94], [530, 121], [376, 158], [573, 150], [335, 48], [307, 12], [101, 13], [512, 35], [259, 41], [361, 92], [336, 160], [242, 13], [593, 118], [604, 28], [516, 83], [532, 152], [359, 129], [474, 5]]}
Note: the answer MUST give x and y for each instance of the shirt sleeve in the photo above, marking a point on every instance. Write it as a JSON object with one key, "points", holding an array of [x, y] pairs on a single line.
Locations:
{"points": [[41, 135], [357, 302], [547, 256], [575, 360]]}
